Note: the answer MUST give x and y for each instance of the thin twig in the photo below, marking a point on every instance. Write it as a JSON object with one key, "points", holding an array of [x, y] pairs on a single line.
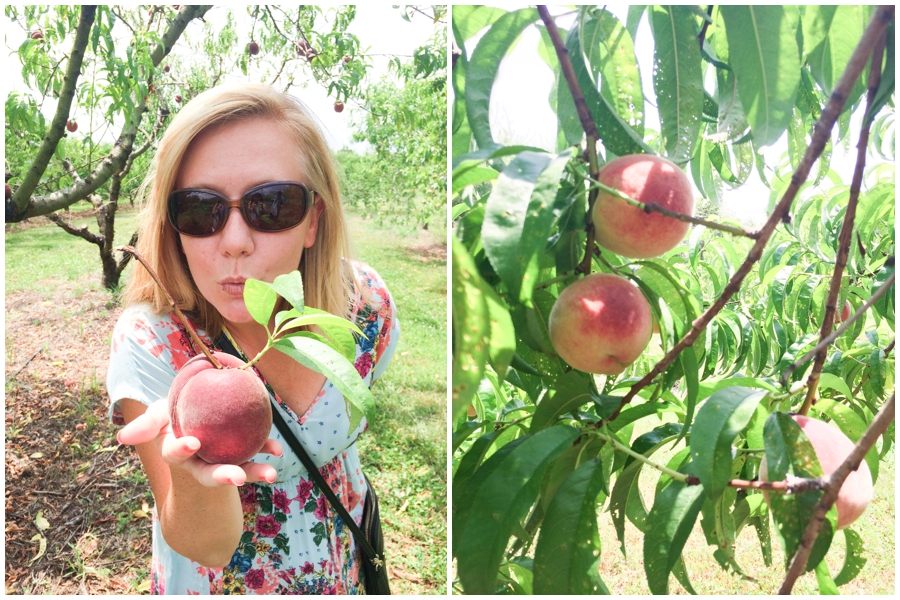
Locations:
{"points": [[822, 132], [798, 563], [845, 238], [650, 207], [836, 334]]}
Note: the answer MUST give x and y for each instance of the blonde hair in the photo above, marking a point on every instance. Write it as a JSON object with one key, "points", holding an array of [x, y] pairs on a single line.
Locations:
{"points": [[327, 284]]}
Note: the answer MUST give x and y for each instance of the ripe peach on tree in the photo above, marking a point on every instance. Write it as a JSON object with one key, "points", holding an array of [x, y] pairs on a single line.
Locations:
{"points": [[601, 324], [832, 448], [626, 229]]}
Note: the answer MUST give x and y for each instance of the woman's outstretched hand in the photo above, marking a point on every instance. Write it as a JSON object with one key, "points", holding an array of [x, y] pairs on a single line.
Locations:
{"points": [[154, 424]]}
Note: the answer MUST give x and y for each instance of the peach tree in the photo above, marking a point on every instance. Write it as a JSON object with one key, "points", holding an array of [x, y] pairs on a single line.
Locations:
{"points": [[749, 332]]}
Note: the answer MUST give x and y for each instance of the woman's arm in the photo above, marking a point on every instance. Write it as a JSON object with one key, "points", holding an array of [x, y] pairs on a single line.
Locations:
{"points": [[198, 504]]}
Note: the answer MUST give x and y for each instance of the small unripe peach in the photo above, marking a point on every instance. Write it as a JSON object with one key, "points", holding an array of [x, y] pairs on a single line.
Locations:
{"points": [[600, 324], [37, 34], [844, 315], [72, 126], [629, 231], [178, 98], [338, 106], [253, 48], [832, 448], [166, 68]]}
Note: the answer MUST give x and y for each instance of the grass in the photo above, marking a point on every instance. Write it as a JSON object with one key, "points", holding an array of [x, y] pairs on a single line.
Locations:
{"points": [[39, 256], [406, 455]]}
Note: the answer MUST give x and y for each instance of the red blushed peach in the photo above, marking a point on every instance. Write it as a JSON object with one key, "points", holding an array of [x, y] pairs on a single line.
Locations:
{"points": [[832, 448], [844, 315], [628, 230], [601, 324], [226, 409]]}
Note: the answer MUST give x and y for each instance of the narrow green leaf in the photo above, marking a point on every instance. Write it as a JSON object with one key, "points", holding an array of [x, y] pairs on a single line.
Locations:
{"points": [[816, 20], [854, 560], [689, 366], [829, 59], [766, 61], [668, 526], [260, 299], [610, 51], [483, 67], [678, 81], [567, 554], [469, 20], [473, 176], [290, 287], [505, 215], [542, 212], [567, 394], [340, 373], [502, 345], [500, 501], [471, 328], [725, 414]]}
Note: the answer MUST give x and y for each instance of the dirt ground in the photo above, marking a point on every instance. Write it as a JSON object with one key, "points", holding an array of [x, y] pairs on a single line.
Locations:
{"points": [[76, 503]]}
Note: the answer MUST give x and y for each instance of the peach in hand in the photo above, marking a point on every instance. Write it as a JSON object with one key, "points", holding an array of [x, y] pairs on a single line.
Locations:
{"points": [[629, 231], [832, 448], [226, 409], [600, 324]]}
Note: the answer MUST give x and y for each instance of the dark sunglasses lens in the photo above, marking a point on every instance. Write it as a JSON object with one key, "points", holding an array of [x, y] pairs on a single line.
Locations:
{"points": [[275, 207], [195, 212]]}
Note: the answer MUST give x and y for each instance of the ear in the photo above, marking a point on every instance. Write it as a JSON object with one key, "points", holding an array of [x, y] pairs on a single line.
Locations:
{"points": [[318, 208]]}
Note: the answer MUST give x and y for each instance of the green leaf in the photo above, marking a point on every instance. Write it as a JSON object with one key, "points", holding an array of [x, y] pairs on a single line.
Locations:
{"points": [[766, 62], [471, 328], [500, 500], [829, 59], [502, 345], [678, 80], [567, 394], [340, 372], [483, 66], [290, 287], [788, 451], [617, 136], [668, 526], [854, 560], [260, 299], [886, 86], [567, 554], [816, 22], [504, 217], [469, 20], [473, 176], [610, 51], [336, 329], [827, 586], [725, 414]]}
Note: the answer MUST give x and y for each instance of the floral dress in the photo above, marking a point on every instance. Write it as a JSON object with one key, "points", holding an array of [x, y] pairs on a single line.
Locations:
{"points": [[293, 541]]}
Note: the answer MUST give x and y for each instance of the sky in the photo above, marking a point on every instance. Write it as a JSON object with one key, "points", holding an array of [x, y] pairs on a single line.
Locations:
{"points": [[381, 31], [520, 112]]}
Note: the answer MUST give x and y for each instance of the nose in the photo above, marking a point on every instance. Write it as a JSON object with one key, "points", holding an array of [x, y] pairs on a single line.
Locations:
{"points": [[235, 238]]}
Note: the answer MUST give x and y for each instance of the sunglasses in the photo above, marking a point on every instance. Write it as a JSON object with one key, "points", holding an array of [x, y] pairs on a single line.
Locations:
{"points": [[275, 206]]}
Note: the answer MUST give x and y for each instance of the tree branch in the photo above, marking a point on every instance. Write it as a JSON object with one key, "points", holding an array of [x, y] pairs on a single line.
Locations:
{"points": [[587, 123], [822, 132], [21, 199], [845, 238], [24, 206], [798, 563]]}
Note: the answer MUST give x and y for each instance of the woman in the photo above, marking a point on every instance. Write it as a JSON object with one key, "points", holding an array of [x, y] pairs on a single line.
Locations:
{"points": [[260, 527]]}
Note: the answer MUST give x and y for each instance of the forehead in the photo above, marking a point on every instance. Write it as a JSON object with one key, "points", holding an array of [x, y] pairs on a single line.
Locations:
{"points": [[231, 157]]}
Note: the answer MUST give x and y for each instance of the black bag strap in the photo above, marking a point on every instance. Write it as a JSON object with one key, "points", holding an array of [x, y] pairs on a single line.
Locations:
{"points": [[225, 344]]}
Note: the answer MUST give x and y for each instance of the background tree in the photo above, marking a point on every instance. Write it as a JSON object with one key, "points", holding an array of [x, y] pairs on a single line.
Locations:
{"points": [[117, 74], [745, 318], [402, 180]]}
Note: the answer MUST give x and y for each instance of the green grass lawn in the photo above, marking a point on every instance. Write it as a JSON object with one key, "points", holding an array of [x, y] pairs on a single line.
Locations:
{"points": [[406, 458]]}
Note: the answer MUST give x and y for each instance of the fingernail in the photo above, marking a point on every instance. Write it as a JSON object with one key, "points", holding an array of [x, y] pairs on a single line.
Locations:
{"points": [[192, 445], [234, 483]]}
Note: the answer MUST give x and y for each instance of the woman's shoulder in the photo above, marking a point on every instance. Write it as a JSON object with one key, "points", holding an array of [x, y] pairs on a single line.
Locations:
{"points": [[373, 300], [140, 328]]}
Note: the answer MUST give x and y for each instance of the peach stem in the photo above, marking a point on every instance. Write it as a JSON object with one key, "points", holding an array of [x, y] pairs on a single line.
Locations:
{"points": [[187, 325]]}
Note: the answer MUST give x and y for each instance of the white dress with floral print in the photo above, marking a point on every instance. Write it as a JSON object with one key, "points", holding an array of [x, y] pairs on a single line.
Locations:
{"points": [[293, 542]]}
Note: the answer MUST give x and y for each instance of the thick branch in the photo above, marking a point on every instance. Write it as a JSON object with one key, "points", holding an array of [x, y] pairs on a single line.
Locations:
{"points": [[846, 236], [26, 207], [879, 425], [587, 123], [20, 203], [822, 132]]}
